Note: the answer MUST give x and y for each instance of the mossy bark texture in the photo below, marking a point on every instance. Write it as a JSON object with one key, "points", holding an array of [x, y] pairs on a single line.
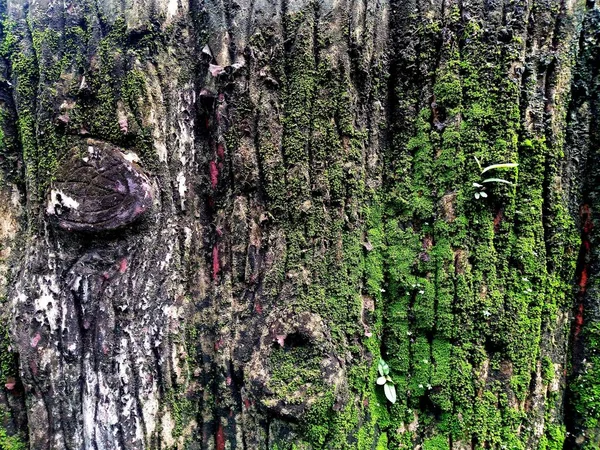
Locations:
{"points": [[216, 216]]}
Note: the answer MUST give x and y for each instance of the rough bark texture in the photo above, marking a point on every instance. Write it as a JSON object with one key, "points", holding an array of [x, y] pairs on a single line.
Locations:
{"points": [[217, 215]]}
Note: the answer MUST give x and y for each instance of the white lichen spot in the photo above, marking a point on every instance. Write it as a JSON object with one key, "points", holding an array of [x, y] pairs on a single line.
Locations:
{"points": [[46, 306], [172, 8], [168, 425], [131, 157], [161, 151], [182, 189], [150, 412], [59, 198], [187, 242]]}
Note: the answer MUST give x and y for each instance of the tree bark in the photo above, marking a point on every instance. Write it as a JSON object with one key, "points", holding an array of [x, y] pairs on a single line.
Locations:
{"points": [[216, 216]]}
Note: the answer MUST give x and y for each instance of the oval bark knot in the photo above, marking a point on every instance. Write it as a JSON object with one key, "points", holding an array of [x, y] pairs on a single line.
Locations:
{"points": [[295, 366], [98, 188]]}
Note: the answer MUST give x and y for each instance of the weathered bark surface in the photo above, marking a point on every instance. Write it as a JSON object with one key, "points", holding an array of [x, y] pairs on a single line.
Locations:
{"points": [[216, 217]]}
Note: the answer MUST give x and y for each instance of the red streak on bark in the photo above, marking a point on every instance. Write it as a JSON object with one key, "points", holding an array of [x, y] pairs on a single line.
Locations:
{"points": [[584, 279], [585, 213], [10, 383], [216, 265], [214, 174], [228, 381], [247, 403], [221, 151], [35, 340], [497, 221], [579, 320], [258, 308], [218, 344], [123, 265], [220, 438]]}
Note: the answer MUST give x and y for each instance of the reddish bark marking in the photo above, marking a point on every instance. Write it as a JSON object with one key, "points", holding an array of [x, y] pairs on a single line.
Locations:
{"points": [[497, 221], [10, 383], [585, 213], [228, 381], [221, 151], [33, 367], [220, 438], [216, 265], [214, 174], [280, 338], [218, 344], [35, 340], [247, 403], [123, 265], [579, 320], [123, 125], [215, 69], [584, 279], [258, 308]]}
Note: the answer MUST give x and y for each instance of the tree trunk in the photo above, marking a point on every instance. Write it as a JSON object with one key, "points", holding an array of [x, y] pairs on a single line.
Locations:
{"points": [[216, 216]]}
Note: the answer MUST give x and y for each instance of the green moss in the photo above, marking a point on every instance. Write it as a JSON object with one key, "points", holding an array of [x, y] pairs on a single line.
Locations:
{"points": [[295, 370], [436, 443], [553, 438], [8, 442], [585, 387]]}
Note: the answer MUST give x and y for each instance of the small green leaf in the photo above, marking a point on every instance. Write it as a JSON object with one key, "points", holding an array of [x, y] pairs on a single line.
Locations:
{"points": [[389, 379], [380, 367], [385, 367], [500, 166], [477, 161], [381, 381], [390, 392], [477, 185], [496, 180], [483, 194], [477, 195]]}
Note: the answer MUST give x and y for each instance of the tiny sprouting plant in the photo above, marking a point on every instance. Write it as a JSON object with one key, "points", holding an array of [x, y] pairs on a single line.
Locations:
{"points": [[386, 381], [481, 187]]}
